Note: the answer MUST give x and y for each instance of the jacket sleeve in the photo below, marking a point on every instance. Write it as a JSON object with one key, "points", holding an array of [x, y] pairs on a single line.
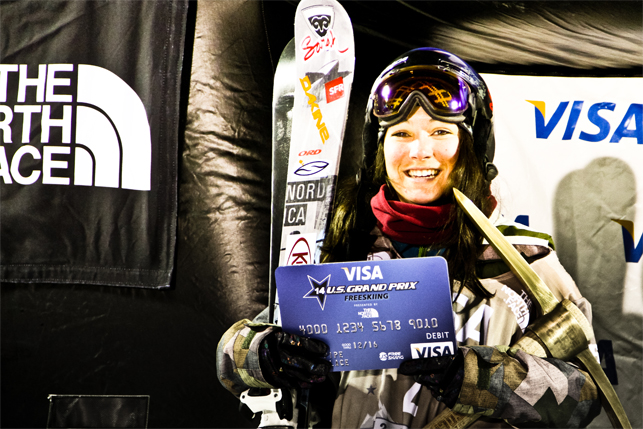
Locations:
{"points": [[522, 389], [238, 355], [512, 385]]}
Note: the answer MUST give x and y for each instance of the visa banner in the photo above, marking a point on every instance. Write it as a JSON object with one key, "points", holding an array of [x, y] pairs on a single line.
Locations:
{"points": [[569, 151]]}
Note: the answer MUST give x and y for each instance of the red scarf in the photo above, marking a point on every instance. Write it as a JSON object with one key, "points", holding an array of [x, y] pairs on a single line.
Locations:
{"points": [[410, 223]]}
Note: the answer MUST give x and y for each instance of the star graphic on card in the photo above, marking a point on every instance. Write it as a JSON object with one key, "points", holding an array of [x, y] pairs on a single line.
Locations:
{"points": [[318, 290]]}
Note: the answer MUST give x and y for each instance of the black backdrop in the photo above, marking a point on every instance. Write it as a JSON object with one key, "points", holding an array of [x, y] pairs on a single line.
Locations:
{"points": [[98, 340]]}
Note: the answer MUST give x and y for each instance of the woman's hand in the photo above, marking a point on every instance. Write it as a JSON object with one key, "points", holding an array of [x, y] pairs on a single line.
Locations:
{"points": [[442, 375], [290, 361]]}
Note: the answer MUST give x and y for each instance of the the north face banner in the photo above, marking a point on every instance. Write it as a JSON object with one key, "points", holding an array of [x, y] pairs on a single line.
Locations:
{"points": [[89, 108]]}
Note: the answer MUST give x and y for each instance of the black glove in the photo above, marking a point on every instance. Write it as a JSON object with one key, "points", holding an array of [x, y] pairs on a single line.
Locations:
{"points": [[442, 375], [288, 360]]}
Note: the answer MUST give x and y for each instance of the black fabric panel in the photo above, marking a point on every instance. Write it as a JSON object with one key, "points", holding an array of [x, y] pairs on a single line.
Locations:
{"points": [[101, 411], [80, 339], [575, 38], [225, 180], [118, 234], [592, 38]]}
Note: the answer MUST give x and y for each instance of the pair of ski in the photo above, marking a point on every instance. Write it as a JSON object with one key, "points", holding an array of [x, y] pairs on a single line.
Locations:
{"points": [[312, 87], [311, 92]]}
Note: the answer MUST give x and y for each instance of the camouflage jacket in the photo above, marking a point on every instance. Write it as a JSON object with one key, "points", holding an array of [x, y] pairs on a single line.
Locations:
{"points": [[509, 387]]}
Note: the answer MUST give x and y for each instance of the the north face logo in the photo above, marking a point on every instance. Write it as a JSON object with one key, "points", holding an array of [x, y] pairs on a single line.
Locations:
{"points": [[102, 134]]}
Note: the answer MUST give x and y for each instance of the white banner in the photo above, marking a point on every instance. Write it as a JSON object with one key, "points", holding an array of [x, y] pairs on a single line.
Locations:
{"points": [[570, 156]]}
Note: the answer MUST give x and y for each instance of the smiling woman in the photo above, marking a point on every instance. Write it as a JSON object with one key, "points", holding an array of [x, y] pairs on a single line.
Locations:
{"points": [[429, 129]]}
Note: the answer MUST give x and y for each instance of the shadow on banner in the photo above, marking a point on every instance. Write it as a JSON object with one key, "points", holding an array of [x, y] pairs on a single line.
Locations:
{"points": [[590, 246]]}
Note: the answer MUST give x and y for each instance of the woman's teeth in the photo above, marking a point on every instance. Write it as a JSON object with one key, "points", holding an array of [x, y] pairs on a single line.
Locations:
{"points": [[423, 173]]}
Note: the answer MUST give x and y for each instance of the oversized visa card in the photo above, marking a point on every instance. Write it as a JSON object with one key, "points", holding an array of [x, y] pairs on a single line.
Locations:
{"points": [[372, 314]]}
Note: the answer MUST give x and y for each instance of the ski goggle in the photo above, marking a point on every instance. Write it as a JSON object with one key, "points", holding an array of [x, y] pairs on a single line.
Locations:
{"points": [[443, 95]]}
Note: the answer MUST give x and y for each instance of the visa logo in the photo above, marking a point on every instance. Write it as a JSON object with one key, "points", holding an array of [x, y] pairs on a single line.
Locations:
{"points": [[629, 126], [363, 273], [633, 252], [426, 350]]}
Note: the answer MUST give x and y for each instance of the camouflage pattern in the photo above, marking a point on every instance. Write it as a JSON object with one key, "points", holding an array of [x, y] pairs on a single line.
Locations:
{"points": [[510, 384], [509, 387], [238, 356]]}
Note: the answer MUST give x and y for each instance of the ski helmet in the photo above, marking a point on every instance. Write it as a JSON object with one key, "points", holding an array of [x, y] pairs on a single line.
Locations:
{"points": [[448, 88]]}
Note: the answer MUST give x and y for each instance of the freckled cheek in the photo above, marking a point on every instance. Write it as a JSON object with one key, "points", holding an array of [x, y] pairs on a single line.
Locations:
{"points": [[447, 153], [393, 170], [393, 160]]}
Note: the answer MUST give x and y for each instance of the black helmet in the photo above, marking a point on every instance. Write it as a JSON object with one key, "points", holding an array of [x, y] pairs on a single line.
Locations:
{"points": [[445, 86]]}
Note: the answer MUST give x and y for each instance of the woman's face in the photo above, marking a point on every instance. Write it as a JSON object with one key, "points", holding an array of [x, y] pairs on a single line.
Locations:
{"points": [[420, 154]]}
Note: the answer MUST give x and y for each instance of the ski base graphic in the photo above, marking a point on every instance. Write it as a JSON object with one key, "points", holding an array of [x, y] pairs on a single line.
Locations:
{"points": [[324, 57]]}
